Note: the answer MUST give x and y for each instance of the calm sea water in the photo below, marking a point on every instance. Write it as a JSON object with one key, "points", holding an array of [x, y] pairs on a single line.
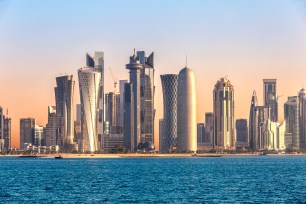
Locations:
{"points": [[154, 180]]}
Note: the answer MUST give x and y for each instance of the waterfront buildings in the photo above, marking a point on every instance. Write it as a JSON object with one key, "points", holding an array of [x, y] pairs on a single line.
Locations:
{"points": [[1, 130], [169, 88], [64, 93], [223, 109], [39, 136], [89, 85], [27, 126], [200, 133], [302, 118], [132, 113], [274, 136], [112, 111], [270, 98], [147, 93], [52, 127], [98, 62], [186, 111], [291, 114], [209, 129], [242, 135], [7, 133]]}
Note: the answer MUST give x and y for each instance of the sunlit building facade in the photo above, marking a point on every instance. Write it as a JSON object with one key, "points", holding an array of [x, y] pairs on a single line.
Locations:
{"points": [[89, 85], [271, 98], [291, 114], [186, 111], [27, 126], [223, 108]]}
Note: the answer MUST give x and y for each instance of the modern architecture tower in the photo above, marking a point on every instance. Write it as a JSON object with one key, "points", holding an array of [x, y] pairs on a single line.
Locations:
{"points": [[98, 62], [135, 69], [223, 107], [64, 93], [169, 87], [242, 135], [270, 98], [186, 111], [302, 118], [89, 82], [147, 92], [27, 126], [291, 108], [253, 133]]}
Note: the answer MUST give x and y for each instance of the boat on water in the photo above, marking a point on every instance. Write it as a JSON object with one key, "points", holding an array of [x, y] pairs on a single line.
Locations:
{"points": [[31, 156], [59, 157]]}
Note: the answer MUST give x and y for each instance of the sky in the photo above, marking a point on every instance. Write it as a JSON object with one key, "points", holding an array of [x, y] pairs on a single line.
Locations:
{"points": [[244, 40]]}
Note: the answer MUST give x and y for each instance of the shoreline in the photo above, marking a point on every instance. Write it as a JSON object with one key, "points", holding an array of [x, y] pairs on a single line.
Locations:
{"points": [[99, 156]]}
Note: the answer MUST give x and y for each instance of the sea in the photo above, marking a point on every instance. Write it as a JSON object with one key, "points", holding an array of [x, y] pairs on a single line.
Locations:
{"points": [[230, 179]]}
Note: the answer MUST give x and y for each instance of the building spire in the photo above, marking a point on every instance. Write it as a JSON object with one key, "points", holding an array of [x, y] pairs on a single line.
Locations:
{"points": [[134, 56], [186, 61]]}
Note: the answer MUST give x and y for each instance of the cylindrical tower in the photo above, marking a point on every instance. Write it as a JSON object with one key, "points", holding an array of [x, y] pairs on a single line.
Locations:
{"points": [[186, 111], [169, 86]]}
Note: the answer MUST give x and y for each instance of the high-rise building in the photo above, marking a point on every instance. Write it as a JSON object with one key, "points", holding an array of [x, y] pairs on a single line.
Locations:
{"points": [[98, 62], [162, 138], [200, 133], [7, 133], [1, 130], [112, 103], [135, 69], [242, 135], [209, 129], [130, 138], [39, 136], [121, 107], [169, 87], [302, 118], [274, 136], [147, 92], [27, 126], [270, 98], [253, 127], [223, 106], [186, 111], [291, 108], [89, 85], [64, 110], [52, 137]]}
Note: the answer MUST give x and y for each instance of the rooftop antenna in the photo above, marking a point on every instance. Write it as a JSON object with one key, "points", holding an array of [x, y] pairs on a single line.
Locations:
{"points": [[186, 60]]}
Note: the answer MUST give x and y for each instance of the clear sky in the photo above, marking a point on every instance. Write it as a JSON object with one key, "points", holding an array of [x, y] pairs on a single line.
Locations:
{"points": [[246, 40]]}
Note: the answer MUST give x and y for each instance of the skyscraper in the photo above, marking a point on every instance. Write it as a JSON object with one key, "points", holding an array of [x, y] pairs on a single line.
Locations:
{"points": [[7, 133], [135, 69], [1, 130], [209, 129], [147, 92], [223, 106], [130, 139], [186, 111], [169, 87], [64, 93], [121, 108], [302, 118], [253, 127], [242, 134], [291, 108], [270, 98], [200, 133], [98, 62], [112, 103], [26, 131], [89, 82], [53, 127]]}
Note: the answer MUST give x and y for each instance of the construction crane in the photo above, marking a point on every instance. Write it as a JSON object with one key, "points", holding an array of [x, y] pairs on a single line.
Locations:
{"points": [[114, 79]]}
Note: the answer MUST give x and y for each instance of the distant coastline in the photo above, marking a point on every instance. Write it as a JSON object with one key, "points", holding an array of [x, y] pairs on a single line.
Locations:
{"points": [[96, 156]]}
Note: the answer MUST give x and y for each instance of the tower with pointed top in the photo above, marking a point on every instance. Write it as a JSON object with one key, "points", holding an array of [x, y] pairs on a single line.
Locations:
{"points": [[302, 117], [223, 107], [252, 122], [132, 117]]}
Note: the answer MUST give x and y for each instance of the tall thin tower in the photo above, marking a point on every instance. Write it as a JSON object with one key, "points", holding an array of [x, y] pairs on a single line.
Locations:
{"points": [[223, 105], [135, 69], [186, 111], [302, 117]]}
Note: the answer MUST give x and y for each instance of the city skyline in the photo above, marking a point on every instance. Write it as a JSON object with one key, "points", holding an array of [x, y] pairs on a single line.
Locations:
{"points": [[245, 56]]}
